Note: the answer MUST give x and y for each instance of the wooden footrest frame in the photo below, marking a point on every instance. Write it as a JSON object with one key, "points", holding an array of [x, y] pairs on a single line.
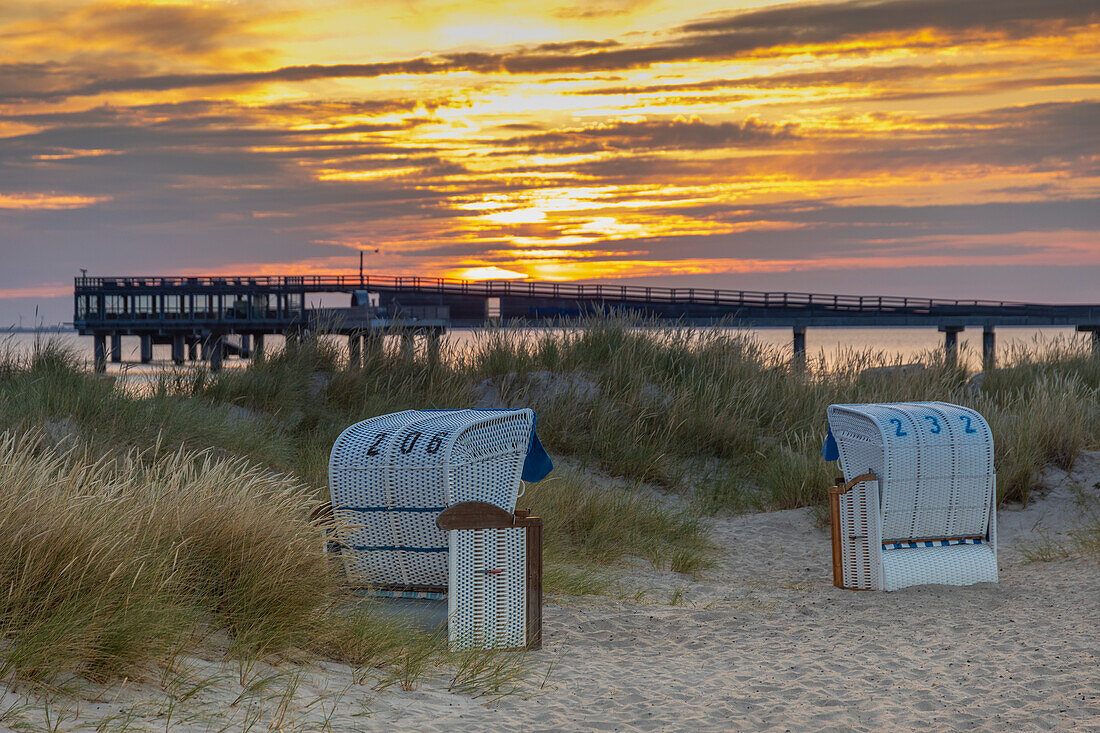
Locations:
{"points": [[469, 515]]}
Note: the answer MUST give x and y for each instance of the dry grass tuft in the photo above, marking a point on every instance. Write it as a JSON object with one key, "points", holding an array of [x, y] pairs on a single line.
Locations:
{"points": [[113, 563], [586, 525]]}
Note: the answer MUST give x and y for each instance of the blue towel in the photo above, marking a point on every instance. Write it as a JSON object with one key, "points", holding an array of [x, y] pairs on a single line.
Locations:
{"points": [[829, 450], [537, 464]]}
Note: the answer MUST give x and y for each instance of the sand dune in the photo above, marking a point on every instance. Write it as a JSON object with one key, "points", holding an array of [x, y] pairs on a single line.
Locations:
{"points": [[762, 642]]}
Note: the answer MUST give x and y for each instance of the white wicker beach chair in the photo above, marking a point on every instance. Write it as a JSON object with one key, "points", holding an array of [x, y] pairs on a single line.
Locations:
{"points": [[392, 478], [918, 500]]}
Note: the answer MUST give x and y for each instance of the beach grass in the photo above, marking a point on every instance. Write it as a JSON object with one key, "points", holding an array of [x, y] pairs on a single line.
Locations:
{"points": [[586, 526], [144, 522], [110, 563], [656, 403], [708, 412]]}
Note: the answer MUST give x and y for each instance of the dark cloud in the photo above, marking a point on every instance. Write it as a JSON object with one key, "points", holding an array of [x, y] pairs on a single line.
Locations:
{"points": [[988, 218], [521, 127], [656, 135], [186, 29], [800, 25], [575, 46], [832, 22], [13, 89], [1079, 119], [21, 81], [205, 125], [834, 77], [971, 90], [790, 27]]}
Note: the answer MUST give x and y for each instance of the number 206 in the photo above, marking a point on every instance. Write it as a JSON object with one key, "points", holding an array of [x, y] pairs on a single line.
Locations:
{"points": [[409, 442]]}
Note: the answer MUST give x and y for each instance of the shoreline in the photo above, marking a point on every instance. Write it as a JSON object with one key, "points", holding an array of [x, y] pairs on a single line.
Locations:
{"points": [[902, 344]]}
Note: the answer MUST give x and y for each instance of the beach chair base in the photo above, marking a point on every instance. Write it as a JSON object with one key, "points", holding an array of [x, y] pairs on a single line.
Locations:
{"points": [[485, 610], [898, 564]]}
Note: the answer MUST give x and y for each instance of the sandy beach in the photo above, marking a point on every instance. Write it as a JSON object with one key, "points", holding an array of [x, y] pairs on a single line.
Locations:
{"points": [[763, 641]]}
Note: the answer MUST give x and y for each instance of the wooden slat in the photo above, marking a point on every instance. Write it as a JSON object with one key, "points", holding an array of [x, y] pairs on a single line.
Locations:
{"points": [[845, 488], [534, 581], [834, 520], [475, 515]]}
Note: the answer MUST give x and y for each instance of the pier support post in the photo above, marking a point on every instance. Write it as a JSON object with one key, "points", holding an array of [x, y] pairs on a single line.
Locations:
{"points": [[799, 354], [951, 343], [258, 347], [1094, 329], [355, 350], [245, 351], [217, 352], [116, 348], [205, 344], [177, 348], [433, 347], [989, 348], [373, 343], [146, 349], [99, 352], [192, 350]]}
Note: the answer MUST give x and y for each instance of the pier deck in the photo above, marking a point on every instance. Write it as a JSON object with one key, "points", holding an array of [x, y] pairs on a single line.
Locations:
{"points": [[190, 311]]}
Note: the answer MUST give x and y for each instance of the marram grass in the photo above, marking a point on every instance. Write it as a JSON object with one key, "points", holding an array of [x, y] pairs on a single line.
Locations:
{"points": [[137, 525], [716, 415], [112, 562]]}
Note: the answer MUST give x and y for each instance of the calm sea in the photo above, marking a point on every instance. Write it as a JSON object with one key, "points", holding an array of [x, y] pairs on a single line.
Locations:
{"points": [[906, 344]]}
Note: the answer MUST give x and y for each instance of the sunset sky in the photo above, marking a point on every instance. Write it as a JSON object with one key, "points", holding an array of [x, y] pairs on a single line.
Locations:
{"points": [[920, 147]]}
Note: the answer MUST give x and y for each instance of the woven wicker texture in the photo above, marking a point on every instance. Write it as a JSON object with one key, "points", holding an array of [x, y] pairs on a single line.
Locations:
{"points": [[954, 565], [486, 606], [860, 534], [934, 463], [391, 476]]}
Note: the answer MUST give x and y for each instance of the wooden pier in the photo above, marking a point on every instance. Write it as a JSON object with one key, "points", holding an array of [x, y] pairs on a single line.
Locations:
{"points": [[214, 317]]}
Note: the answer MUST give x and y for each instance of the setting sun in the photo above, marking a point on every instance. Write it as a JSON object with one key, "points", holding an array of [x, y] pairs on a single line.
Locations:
{"points": [[487, 273]]}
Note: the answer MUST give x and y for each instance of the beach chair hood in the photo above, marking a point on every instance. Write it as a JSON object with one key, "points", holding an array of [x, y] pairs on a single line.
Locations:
{"points": [[392, 475]]}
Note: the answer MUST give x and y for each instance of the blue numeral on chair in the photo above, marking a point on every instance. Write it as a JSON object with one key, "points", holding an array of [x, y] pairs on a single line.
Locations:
{"points": [[935, 424], [899, 432], [966, 418]]}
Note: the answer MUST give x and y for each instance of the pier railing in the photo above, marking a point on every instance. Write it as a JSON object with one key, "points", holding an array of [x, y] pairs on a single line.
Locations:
{"points": [[634, 294], [186, 312]]}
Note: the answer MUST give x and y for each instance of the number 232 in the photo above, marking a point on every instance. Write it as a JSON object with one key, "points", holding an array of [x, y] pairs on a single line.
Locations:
{"points": [[936, 427]]}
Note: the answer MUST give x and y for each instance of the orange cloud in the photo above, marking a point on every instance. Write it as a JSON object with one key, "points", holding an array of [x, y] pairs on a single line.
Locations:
{"points": [[782, 137], [47, 201]]}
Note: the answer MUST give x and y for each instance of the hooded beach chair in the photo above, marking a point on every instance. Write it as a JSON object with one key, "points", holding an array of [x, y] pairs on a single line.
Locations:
{"points": [[424, 505], [917, 503]]}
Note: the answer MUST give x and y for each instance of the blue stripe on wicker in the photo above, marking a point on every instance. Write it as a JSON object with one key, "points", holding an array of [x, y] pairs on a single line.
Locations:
{"points": [[396, 549], [415, 594], [931, 543], [436, 509]]}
